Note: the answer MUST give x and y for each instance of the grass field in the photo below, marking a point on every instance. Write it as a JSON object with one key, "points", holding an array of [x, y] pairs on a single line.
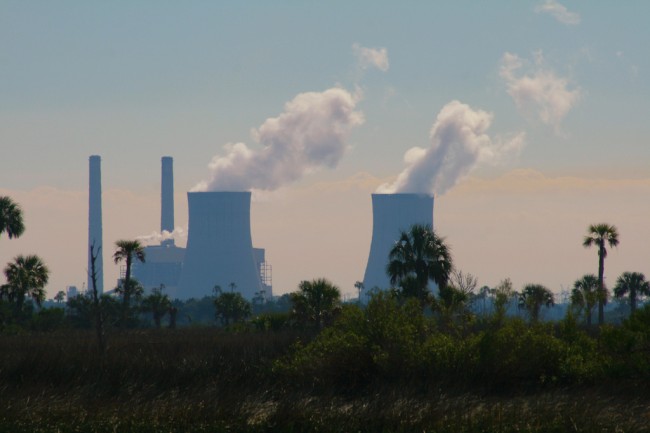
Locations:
{"points": [[195, 380]]}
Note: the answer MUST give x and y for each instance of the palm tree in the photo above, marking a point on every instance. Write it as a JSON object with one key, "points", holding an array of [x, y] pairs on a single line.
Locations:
{"points": [[316, 301], [533, 297], [158, 304], [599, 235], [585, 295], [231, 306], [418, 256], [127, 251], [11, 218], [26, 276], [634, 284], [359, 286]]}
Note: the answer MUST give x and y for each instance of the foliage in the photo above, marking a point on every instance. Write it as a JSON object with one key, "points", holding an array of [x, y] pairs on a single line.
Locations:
{"points": [[316, 302], [231, 307], [533, 298], [11, 218], [127, 251], [418, 256], [633, 284], [158, 304], [503, 294], [26, 276], [584, 295], [601, 235]]}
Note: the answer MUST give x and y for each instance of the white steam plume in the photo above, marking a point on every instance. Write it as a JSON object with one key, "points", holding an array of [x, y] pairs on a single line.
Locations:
{"points": [[179, 234], [541, 92], [309, 134], [376, 57], [459, 143], [559, 12]]}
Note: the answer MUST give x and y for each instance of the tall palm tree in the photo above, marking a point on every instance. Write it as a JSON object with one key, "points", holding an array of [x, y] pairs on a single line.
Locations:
{"points": [[585, 295], [634, 284], [533, 297], [11, 218], [127, 251], [600, 235], [418, 256], [26, 276]]}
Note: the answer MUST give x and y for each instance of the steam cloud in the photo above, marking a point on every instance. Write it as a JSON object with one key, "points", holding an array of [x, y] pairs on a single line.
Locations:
{"points": [[541, 92], [559, 12], [377, 57], [308, 135], [179, 234], [459, 143]]}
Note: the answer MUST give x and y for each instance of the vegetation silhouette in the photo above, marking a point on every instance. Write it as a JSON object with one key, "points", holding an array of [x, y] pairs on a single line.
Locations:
{"points": [[11, 218], [601, 235]]}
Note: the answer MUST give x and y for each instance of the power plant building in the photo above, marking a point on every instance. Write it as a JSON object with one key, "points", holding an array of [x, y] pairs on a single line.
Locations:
{"points": [[219, 246], [164, 262], [391, 215]]}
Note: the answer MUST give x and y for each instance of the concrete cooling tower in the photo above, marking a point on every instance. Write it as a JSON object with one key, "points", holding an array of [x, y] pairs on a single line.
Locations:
{"points": [[392, 214], [219, 245], [95, 221]]}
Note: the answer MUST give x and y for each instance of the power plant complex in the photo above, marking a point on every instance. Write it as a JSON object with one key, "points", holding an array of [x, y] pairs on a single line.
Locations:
{"points": [[392, 214], [220, 253], [219, 246]]}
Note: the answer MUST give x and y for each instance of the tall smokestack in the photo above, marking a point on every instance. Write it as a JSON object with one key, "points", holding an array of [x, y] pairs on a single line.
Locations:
{"points": [[167, 198], [95, 221], [391, 215], [219, 246]]}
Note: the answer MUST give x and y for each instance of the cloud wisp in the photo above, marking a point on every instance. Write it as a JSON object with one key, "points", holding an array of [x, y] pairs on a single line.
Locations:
{"points": [[559, 12], [538, 93], [311, 133], [371, 57], [459, 144]]}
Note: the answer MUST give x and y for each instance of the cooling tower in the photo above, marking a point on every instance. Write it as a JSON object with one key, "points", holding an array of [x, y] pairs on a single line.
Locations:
{"points": [[167, 198], [95, 221], [219, 245], [392, 214]]}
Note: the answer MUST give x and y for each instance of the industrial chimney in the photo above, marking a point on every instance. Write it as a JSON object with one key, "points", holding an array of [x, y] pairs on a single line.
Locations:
{"points": [[219, 246], [95, 222], [391, 215], [167, 198]]}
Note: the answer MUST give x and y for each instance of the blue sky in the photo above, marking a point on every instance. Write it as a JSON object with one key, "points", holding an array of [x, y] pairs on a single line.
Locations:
{"points": [[133, 81]]}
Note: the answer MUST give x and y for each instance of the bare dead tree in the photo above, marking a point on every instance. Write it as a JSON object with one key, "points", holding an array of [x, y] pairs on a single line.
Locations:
{"points": [[97, 307]]}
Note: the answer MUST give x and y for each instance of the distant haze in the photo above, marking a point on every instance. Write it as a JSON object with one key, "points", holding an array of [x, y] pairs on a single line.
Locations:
{"points": [[308, 135]]}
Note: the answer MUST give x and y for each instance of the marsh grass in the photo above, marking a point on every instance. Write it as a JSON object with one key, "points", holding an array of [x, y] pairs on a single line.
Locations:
{"points": [[209, 380]]}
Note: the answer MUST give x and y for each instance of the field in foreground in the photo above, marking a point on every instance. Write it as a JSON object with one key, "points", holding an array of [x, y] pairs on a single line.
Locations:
{"points": [[196, 380]]}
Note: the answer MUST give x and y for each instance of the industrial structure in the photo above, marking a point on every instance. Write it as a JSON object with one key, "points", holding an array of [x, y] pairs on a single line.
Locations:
{"points": [[95, 223], [164, 262], [391, 215], [219, 246]]}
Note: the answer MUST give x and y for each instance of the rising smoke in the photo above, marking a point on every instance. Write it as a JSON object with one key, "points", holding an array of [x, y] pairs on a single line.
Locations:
{"points": [[179, 235], [459, 143], [311, 133]]}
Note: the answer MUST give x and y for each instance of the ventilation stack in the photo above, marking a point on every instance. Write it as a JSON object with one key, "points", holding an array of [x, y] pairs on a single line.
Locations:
{"points": [[167, 198], [219, 246], [95, 222], [391, 215]]}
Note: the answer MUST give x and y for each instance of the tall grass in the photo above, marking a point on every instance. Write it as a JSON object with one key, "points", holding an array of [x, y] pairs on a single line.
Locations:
{"points": [[382, 370]]}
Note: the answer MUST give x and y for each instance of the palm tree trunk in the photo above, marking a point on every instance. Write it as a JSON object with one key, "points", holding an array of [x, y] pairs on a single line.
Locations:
{"points": [[632, 299], [127, 292], [601, 284]]}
